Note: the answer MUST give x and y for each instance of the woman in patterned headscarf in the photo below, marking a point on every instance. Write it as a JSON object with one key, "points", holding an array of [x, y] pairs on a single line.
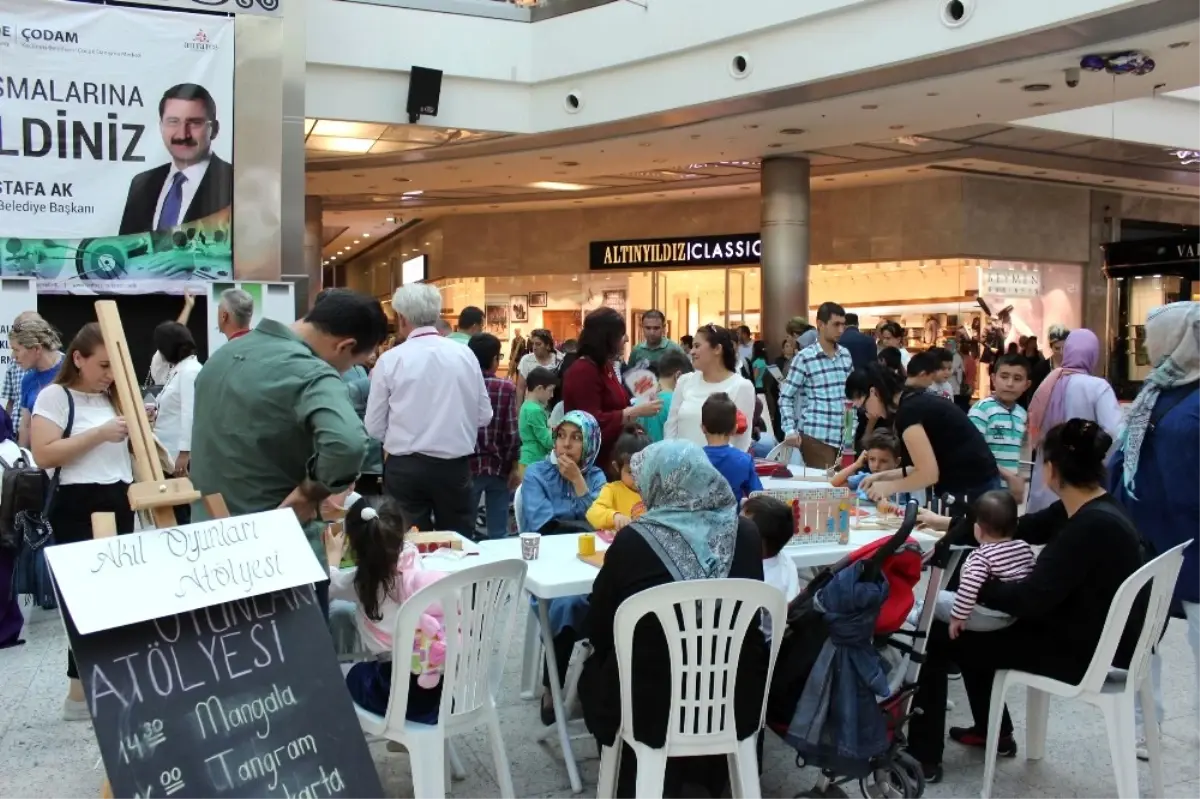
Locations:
{"points": [[690, 531], [562, 487]]}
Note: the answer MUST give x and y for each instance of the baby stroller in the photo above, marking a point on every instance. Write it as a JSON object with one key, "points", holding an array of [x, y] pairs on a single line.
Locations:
{"points": [[846, 676]]}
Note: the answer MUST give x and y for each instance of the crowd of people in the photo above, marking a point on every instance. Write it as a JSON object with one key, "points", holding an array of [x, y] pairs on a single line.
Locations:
{"points": [[423, 428]]}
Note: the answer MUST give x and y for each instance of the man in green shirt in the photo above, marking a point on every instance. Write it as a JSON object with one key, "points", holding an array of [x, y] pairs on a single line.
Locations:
{"points": [[273, 425], [470, 322], [653, 344]]}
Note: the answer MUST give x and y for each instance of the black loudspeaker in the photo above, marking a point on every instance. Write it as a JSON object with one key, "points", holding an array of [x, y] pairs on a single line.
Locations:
{"points": [[424, 91]]}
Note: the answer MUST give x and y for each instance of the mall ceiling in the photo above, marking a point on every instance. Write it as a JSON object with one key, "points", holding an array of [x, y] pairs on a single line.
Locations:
{"points": [[919, 130]]}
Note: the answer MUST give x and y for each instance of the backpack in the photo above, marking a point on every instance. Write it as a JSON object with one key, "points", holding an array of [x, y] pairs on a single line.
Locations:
{"points": [[23, 487]]}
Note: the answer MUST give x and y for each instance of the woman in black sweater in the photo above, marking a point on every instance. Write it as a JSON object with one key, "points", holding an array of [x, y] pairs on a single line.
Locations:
{"points": [[1091, 547]]}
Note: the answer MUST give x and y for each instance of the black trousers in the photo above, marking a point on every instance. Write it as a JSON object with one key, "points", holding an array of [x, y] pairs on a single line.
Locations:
{"points": [[431, 491], [71, 519], [978, 655]]}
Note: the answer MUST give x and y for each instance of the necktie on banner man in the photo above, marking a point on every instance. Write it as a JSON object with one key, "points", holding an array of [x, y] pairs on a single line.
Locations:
{"points": [[172, 203]]}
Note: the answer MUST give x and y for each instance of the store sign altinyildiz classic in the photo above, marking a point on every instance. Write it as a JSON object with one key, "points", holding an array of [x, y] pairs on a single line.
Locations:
{"points": [[264, 8]]}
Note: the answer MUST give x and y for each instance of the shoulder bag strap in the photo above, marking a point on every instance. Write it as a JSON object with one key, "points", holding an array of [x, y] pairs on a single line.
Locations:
{"points": [[52, 489]]}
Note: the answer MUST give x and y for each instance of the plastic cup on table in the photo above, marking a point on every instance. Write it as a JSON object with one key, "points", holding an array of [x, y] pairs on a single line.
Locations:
{"points": [[531, 544]]}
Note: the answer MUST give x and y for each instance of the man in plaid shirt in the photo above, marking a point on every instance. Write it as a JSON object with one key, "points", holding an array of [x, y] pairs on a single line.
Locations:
{"points": [[812, 399], [497, 446]]}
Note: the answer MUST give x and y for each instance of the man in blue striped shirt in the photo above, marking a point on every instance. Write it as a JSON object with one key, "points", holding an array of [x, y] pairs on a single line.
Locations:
{"points": [[812, 399]]}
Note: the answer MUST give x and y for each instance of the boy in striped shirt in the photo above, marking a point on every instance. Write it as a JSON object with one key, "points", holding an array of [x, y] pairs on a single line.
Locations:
{"points": [[999, 556], [1002, 421]]}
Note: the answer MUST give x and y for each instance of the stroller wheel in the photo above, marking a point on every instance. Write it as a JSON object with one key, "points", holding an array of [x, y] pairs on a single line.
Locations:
{"points": [[890, 780], [916, 774]]}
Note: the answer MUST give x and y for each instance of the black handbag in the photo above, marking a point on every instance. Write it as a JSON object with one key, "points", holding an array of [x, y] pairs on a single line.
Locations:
{"points": [[34, 532], [22, 487]]}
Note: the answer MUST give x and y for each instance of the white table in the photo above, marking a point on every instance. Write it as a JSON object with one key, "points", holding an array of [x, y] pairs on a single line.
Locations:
{"points": [[557, 572]]}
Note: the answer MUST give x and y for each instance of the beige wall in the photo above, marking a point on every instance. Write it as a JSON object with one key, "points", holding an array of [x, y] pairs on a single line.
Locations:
{"points": [[947, 217]]}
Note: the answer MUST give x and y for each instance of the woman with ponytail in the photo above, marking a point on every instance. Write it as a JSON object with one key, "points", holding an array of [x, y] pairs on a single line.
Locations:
{"points": [[387, 572]]}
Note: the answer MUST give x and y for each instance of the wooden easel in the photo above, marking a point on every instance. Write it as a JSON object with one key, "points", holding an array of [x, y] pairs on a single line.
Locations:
{"points": [[152, 490]]}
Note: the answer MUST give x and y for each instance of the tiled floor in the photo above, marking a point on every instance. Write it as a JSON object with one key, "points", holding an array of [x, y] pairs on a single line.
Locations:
{"points": [[42, 756]]}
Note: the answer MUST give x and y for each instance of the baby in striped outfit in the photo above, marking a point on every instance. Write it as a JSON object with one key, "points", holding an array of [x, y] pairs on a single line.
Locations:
{"points": [[999, 556]]}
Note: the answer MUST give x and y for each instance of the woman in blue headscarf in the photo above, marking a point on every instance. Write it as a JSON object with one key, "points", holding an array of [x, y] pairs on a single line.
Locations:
{"points": [[691, 530], [557, 492]]}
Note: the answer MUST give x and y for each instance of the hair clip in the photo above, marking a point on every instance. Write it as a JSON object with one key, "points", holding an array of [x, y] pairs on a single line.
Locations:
{"points": [[368, 513]]}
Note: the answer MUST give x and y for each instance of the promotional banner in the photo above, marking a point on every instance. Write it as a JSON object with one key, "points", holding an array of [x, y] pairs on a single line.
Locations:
{"points": [[116, 143]]}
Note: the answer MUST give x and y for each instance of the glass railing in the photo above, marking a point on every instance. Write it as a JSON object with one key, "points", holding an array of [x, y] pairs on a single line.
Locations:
{"points": [[515, 10]]}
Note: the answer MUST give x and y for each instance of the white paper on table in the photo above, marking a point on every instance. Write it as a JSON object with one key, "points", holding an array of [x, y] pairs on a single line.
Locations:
{"points": [[121, 580]]}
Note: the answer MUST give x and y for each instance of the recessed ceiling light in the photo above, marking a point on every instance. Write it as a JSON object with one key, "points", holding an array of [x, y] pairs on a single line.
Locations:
{"points": [[356, 241], [895, 127], [870, 107], [829, 180], [553, 185], [390, 220], [426, 244], [792, 131], [694, 136], [751, 127], [545, 157], [1007, 80], [568, 163], [1038, 105], [413, 193], [644, 143], [775, 146], [931, 94], [1036, 87], [359, 175], [400, 180], [366, 235], [914, 170], [1176, 46]]}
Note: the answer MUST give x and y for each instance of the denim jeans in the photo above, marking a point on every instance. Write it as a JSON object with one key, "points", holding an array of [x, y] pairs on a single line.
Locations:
{"points": [[494, 490], [1192, 612]]}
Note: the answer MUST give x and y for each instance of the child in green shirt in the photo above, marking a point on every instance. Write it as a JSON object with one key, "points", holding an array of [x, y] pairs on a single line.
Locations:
{"points": [[670, 366], [533, 422]]}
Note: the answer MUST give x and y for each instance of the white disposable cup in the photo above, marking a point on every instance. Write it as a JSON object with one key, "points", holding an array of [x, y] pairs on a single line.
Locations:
{"points": [[531, 543]]}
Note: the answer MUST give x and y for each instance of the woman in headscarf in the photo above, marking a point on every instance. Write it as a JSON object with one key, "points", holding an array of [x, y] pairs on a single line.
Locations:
{"points": [[557, 492], [1156, 468], [1070, 392], [690, 531]]}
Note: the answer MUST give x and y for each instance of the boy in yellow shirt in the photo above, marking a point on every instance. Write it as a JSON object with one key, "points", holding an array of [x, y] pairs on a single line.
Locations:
{"points": [[619, 502]]}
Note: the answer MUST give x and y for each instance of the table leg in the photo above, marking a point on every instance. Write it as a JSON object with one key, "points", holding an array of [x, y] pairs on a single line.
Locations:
{"points": [[556, 695]]}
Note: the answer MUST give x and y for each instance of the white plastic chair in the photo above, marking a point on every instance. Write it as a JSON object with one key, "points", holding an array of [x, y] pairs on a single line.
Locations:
{"points": [[480, 605], [780, 453], [713, 618], [1115, 700]]}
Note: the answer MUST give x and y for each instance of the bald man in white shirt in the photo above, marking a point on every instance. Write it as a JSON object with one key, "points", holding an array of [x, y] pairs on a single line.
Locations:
{"points": [[427, 403]]}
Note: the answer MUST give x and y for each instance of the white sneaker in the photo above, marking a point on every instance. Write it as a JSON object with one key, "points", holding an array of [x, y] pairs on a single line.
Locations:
{"points": [[1140, 749], [75, 710], [949, 704]]}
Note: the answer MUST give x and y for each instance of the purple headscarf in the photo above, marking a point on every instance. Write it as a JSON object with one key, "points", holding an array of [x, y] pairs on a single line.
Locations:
{"points": [[1080, 354]]}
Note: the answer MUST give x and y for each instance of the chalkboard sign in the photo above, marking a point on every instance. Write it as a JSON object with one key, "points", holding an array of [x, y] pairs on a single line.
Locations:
{"points": [[240, 699]]}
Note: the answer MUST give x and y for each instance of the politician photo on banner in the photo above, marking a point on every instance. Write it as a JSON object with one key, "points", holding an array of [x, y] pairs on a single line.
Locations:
{"points": [[195, 183]]}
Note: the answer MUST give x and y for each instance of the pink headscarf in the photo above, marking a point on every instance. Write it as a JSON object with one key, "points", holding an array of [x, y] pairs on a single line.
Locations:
{"points": [[1080, 354]]}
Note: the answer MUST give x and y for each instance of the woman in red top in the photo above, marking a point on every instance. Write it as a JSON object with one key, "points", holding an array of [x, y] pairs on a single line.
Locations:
{"points": [[591, 383]]}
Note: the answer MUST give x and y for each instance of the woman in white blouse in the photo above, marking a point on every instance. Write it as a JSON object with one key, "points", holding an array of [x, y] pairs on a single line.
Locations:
{"points": [[173, 423], [542, 354], [715, 357], [77, 432]]}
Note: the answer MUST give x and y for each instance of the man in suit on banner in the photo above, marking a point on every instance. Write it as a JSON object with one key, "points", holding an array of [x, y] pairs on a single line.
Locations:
{"points": [[196, 183]]}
